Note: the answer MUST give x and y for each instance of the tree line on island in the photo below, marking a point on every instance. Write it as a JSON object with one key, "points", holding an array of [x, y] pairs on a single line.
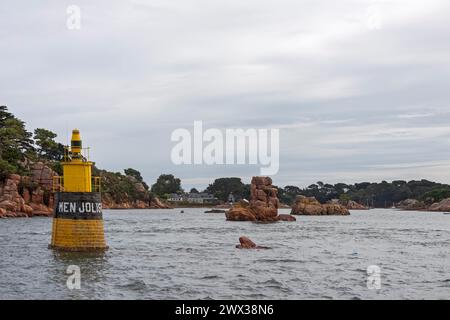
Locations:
{"points": [[379, 195], [19, 148]]}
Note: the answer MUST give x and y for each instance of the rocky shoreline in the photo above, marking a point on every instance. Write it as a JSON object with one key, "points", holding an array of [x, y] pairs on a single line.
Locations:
{"points": [[311, 207], [32, 196], [416, 205], [155, 203], [28, 196]]}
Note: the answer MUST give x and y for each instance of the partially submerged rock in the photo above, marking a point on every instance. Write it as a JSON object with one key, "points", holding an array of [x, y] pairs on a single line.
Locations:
{"points": [[310, 206], [215, 211], [444, 205], [411, 204], [246, 243], [349, 204], [286, 217], [353, 205]]}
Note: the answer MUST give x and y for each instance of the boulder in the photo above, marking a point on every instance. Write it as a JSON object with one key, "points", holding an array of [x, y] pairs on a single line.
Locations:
{"points": [[263, 205], [42, 175], [41, 210], [286, 217], [20, 215], [26, 196], [353, 205], [240, 212], [11, 185], [38, 196], [28, 210], [310, 206], [140, 204], [15, 177], [246, 243], [139, 187], [261, 181], [2, 213], [9, 205], [349, 204], [33, 191], [159, 204], [411, 204], [444, 205]]}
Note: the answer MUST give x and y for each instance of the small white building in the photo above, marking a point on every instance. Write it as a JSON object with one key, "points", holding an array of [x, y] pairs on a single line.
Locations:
{"points": [[202, 198]]}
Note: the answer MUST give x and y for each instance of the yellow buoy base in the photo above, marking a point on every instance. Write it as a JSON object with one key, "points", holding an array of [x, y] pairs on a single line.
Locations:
{"points": [[78, 234]]}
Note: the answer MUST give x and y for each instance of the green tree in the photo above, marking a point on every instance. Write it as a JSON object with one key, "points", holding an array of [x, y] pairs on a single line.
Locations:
{"points": [[47, 147], [15, 141], [121, 188], [345, 198], [165, 184], [247, 191], [6, 169], [288, 194], [137, 175], [221, 188], [436, 195], [194, 190]]}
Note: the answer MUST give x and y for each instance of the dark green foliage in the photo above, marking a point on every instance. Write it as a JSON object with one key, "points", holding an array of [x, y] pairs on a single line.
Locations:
{"points": [[379, 195], [287, 194], [166, 184], [122, 188], [246, 191], [221, 188], [15, 141], [47, 147], [137, 175], [435, 195], [6, 169], [134, 173]]}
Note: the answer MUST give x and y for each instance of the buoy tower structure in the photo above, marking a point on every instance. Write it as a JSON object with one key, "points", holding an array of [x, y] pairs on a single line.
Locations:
{"points": [[77, 216]]}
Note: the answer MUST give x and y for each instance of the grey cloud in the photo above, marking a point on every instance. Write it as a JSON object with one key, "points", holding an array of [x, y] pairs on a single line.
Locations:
{"points": [[352, 103]]}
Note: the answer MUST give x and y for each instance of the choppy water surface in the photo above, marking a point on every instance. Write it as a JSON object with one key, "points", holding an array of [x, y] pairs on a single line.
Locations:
{"points": [[165, 254]]}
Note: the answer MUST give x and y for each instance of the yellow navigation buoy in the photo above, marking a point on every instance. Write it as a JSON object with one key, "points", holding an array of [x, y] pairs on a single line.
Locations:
{"points": [[77, 217]]}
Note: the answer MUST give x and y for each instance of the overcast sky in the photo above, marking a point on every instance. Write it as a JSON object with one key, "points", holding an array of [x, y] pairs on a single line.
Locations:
{"points": [[360, 90]]}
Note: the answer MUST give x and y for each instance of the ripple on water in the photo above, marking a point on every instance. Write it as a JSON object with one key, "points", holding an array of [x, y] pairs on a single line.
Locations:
{"points": [[159, 254]]}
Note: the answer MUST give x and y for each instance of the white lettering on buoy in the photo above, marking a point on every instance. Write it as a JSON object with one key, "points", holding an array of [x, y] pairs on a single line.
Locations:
{"points": [[84, 207]]}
